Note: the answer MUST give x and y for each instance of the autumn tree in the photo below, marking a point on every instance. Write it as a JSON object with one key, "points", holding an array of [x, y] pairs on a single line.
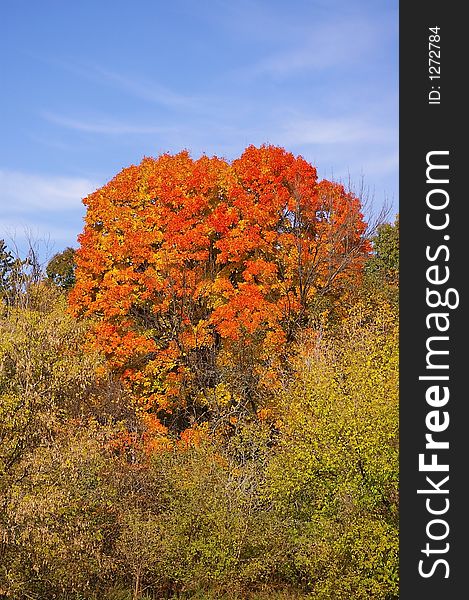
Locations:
{"points": [[199, 274]]}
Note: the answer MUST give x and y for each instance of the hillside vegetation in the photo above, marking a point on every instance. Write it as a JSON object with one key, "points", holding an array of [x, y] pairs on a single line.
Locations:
{"points": [[202, 401]]}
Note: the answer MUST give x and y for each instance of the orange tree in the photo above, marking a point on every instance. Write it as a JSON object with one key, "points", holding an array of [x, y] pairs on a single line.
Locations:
{"points": [[199, 274]]}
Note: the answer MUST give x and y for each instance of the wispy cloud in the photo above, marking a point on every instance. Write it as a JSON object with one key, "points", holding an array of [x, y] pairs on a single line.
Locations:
{"points": [[103, 126], [325, 130], [40, 208], [143, 88], [381, 165], [31, 193], [146, 89], [321, 50], [319, 47]]}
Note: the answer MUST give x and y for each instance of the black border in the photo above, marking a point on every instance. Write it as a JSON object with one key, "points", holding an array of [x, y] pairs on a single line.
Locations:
{"points": [[426, 127]]}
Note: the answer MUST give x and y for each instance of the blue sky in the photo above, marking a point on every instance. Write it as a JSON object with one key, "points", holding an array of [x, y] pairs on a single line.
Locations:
{"points": [[90, 87]]}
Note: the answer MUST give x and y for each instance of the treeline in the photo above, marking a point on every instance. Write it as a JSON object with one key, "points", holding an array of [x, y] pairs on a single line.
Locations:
{"points": [[296, 497]]}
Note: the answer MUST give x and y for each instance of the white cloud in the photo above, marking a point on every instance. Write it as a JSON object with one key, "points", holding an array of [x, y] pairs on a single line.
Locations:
{"points": [[146, 89], [382, 165], [313, 55], [22, 192], [142, 88], [325, 130], [103, 126], [319, 48], [41, 209]]}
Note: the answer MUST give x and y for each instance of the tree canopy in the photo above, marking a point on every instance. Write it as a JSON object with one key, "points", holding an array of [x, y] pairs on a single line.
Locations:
{"points": [[60, 269], [186, 264]]}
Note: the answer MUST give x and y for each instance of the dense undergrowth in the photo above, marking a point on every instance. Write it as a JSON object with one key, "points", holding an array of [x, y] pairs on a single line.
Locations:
{"points": [[296, 499]]}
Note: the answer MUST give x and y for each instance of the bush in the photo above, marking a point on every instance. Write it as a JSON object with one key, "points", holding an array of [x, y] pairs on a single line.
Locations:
{"points": [[335, 476]]}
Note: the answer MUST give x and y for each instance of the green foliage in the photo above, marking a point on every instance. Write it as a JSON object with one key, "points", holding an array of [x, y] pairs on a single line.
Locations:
{"points": [[61, 269], [17, 276], [45, 381], [7, 262], [44, 374], [204, 528], [297, 502], [336, 473], [59, 521], [384, 265], [11, 274]]}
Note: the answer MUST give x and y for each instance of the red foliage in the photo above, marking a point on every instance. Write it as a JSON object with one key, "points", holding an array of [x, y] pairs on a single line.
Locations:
{"points": [[182, 259]]}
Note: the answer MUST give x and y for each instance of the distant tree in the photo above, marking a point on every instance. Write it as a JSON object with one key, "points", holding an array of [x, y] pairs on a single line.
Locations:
{"points": [[7, 262], [61, 269], [11, 274], [384, 263]]}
